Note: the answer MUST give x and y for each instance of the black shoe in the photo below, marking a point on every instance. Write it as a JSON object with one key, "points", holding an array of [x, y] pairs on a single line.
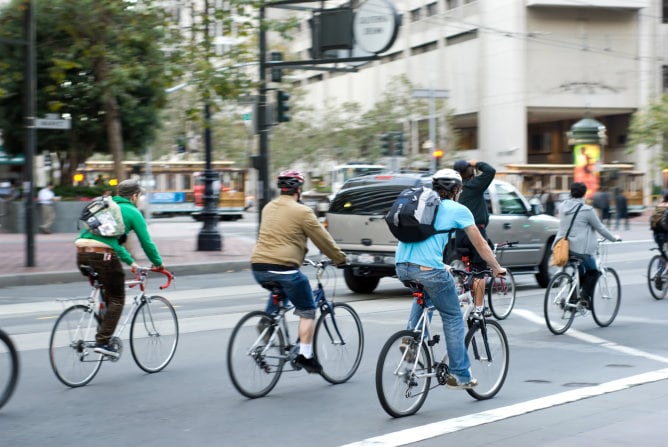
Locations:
{"points": [[310, 365]]}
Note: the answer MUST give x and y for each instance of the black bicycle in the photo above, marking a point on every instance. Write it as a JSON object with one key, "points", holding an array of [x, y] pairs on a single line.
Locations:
{"points": [[260, 345], [9, 368]]}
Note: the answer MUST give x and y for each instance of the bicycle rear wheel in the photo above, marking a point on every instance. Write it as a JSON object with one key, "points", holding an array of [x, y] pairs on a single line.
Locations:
{"points": [[71, 346], [154, 334], [558, 315], [338, 343], [402, 382], [9, 368], [501, 295], [607, 298], [657, 280], [256, 354], [487, 347]]}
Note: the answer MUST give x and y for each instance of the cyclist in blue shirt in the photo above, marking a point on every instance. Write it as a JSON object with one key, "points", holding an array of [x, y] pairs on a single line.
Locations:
{"points": [[423, 262]]}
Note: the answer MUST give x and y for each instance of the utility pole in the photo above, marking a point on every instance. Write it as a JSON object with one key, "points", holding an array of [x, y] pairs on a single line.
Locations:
{"points": [[30, 131], [431, 94]]}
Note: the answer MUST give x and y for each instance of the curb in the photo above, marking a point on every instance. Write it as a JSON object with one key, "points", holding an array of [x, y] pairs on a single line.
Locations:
{"points": [[66, 277]]}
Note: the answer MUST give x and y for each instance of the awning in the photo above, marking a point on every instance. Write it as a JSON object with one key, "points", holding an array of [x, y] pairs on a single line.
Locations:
{"points": [[11, 160]]}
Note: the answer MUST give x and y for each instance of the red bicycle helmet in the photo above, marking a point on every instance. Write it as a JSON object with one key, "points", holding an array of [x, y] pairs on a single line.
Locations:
{"points": [[289, 181]]}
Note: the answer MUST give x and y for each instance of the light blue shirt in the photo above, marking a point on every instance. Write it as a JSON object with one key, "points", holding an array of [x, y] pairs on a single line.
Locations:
{"points": [[451, 215]]}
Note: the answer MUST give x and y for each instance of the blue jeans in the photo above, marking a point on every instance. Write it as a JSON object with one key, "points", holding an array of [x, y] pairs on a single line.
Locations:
{"points": [[297, 289], [440, 288], [588, 262]]}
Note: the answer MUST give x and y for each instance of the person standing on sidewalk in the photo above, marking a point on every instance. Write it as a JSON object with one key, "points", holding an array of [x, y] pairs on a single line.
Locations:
{"points": [[285, 227], [104, 254], [621, 209], [46, 198], [473, 198]]}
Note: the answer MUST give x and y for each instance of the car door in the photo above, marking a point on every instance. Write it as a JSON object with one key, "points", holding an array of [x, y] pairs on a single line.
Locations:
{"points": [[513, 221]]}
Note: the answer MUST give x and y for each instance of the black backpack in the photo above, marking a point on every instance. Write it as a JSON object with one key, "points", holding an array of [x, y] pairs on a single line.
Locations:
{"points": [[658, 221], [412, 215]]}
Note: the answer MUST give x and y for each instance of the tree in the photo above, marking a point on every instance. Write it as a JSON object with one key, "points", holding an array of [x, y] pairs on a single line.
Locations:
{"points": [[649, 127], [100, 61]]}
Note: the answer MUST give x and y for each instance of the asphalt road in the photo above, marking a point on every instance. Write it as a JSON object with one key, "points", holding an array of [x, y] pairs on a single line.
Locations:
{"points": [[590, 386]]}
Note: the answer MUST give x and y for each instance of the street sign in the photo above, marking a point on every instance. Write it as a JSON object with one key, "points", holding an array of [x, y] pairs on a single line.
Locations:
{"points": [[57, 124]]}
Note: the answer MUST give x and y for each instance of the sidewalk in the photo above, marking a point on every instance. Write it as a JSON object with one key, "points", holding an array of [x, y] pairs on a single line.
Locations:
{"points": [[55, 257]]}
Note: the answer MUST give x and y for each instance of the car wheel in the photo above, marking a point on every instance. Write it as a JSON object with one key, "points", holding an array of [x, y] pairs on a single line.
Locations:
{"points": [[544, 270], [360, 284]]}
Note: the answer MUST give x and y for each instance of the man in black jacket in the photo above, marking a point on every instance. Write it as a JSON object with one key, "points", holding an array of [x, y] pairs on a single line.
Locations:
{"points": [[472, 197]]}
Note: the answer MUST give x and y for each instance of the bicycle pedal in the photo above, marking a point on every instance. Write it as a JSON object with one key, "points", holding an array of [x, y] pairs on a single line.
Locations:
{"points": [[435, 339]]}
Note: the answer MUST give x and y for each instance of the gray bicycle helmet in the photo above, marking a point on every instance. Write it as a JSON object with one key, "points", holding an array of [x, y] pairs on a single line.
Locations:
{"points": [[446, 179]]}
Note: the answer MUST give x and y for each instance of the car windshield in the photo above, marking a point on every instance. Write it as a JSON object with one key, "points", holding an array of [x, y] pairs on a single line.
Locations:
{"points": [[366, 201]]}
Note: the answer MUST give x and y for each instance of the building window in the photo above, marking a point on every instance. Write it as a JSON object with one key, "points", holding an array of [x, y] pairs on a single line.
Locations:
{"points": [[424, 48], [461, 37], [432, 9], [451, 4], [665, 77], [665, 10], [415, 15]]}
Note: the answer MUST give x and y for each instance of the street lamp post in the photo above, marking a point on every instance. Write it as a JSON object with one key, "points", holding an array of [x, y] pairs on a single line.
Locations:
{"points": [[209, 239]]}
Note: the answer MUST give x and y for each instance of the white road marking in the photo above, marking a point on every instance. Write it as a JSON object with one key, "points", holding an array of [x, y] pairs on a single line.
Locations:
{"points": [[415, 434]]}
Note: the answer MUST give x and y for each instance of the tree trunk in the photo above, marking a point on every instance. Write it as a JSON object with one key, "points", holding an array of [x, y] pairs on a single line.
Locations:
{"points": [[112, 121]]}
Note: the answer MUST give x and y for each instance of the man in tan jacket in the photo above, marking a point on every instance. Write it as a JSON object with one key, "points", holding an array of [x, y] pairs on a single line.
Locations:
{"points": [[285, 227]]}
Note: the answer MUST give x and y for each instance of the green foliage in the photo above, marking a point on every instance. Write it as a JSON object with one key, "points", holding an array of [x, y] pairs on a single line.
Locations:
{"points": [[649, 127], [69, 192], [87, 52]]}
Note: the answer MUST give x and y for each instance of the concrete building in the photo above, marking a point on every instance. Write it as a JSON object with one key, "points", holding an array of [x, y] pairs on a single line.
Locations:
{"points": [[519, 73]]}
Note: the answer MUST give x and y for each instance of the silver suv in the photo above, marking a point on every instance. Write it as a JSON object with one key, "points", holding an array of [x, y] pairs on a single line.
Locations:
{"points": [[356, 222]]}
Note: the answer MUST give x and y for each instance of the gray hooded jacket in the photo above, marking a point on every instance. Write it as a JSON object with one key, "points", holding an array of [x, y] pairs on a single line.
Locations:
{"points": [[582, 238]]}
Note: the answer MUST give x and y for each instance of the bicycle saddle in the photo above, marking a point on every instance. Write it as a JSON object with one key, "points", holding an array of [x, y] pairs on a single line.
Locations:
{"points": [[271, 285], [414, 285], [87, 271]]}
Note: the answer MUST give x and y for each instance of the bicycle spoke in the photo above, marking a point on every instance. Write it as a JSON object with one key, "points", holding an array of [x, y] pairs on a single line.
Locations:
{"points": [[71, 347], [488, 351], [338, 343], [154, 334], [9, 368], [559, 313], [607, 298]]}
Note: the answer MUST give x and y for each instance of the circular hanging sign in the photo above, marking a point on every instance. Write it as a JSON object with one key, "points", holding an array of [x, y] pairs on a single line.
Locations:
{"points": [[376, 25]]}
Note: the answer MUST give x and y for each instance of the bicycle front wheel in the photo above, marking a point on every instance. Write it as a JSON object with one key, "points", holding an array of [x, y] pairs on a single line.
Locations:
{"points": [[560, 292], [402, 377], [338, 343], [154, 334], [657, 279], [487, 347], [501, 295], [9, 368], [71, 346], [607, 298], [256, 354]]}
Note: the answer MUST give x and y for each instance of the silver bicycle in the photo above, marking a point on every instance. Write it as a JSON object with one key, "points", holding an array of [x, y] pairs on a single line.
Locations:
{"points": [[563, 295], [154, 331]]}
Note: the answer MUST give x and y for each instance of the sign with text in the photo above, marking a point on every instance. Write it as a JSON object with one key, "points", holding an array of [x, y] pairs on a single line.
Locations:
{"points": [[376, 25]]}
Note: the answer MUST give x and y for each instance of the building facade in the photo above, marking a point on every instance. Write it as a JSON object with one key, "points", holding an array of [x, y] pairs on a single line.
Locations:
{"points": [[519, 73]]}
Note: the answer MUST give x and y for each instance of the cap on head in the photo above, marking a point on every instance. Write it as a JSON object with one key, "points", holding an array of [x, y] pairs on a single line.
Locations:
{"points": [[446, 179], [289, 181], [460, 165], [129, 187]]}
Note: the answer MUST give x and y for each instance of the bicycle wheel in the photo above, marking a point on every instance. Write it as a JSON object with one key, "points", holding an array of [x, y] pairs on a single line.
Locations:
{"points": [[9, 368], [607, 297], [154, 334], [487, 347], [402, 382], [501, 295], [71, 346], [256, 354], [656, 278], [558, 315], [338, 343]]}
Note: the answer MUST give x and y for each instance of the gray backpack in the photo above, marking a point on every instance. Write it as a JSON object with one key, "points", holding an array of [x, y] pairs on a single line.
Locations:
{"points": [[102, 216]]}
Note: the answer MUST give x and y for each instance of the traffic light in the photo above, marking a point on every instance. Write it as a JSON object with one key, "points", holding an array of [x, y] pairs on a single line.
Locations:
{"points": [[399, 144], [282, 99], [437, 154], [385, 143], [276, 73]]}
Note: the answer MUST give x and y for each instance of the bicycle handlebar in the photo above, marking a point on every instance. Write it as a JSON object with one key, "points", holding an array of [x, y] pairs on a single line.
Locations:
{"points": [[141, 274]]}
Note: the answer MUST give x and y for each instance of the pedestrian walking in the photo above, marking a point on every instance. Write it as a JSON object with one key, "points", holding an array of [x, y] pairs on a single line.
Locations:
{"points": [[621, 209], [46, 198], [601, 202]]}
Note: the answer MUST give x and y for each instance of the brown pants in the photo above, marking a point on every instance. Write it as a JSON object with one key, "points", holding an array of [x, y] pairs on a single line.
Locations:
{"points": [[112, 277]]}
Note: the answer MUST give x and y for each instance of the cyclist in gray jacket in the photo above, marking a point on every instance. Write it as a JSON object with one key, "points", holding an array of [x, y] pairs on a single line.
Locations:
{"points": [[582, 238]]}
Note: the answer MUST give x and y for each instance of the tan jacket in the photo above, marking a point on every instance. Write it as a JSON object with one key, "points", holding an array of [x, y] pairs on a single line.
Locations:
{"points": [[285, 228]]}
